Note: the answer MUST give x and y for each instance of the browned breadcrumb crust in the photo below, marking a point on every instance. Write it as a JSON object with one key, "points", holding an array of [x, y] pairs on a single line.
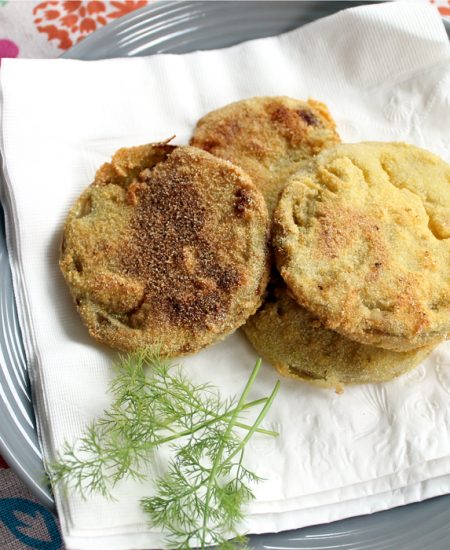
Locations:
{"points": [[269, 137], [297, 344], [169, 247], [362, 240]]}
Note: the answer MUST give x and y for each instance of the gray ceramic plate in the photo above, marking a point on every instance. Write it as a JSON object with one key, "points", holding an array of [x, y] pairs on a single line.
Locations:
{"points": [[179, 27]]}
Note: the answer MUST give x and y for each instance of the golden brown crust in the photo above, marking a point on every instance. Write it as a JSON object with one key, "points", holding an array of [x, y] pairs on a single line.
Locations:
{"points": [[167, 247], [269, 137], [295, 342], [361, 238]]}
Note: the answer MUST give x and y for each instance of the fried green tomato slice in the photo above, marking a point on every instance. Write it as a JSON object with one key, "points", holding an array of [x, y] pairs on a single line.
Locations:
{"points": [[296, 343], [361, 238], [269, 137], [167, 247]]}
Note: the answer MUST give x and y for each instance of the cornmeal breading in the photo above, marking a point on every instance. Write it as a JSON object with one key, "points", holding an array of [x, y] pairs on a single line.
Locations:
{"points": [[167, 247], [294, 341], [269, 137], [361, 238]]}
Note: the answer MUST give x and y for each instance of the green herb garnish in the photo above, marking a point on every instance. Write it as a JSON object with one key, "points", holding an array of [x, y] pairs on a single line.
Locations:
{"points": [[200, 500]]}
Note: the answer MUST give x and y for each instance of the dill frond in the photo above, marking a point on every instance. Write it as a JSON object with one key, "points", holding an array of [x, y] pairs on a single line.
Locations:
{"points": [[200, 500]]}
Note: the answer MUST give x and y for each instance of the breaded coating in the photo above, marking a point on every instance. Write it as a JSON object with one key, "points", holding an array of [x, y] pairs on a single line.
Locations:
{"points": [[361, 238], [295, 342], [168, 247], [269, 137]]}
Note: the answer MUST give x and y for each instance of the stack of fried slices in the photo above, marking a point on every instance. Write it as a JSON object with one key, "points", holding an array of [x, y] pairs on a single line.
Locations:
{"points": [[173, 246]]}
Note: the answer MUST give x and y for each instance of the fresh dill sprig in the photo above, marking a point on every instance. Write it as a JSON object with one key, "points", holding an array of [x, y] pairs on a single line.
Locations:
{"points": [[199, 501]]}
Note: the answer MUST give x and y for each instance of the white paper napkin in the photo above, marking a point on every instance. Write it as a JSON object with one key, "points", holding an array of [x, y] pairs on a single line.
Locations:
{"points": [[384, 72]]}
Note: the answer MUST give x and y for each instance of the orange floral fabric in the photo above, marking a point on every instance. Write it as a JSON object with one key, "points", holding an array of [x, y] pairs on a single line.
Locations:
{"points": [[68, 22], [443, 6]]}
